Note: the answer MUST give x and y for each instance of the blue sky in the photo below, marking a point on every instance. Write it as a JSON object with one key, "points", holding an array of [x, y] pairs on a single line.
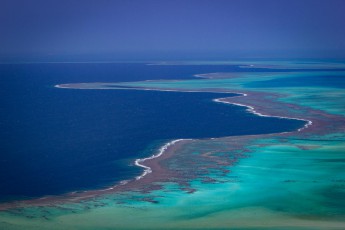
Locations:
{"points": [[177, 28]]}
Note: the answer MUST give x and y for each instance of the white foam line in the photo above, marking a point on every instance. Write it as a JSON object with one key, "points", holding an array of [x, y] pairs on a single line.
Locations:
{"points": [[146, 89], [251, 109], [220, 100], [205, 75], [123, 182], [139, 161], [147, 170]]}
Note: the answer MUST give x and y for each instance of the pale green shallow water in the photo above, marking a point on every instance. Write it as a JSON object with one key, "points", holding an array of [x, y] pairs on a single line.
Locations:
{"points": [[284, 183]]}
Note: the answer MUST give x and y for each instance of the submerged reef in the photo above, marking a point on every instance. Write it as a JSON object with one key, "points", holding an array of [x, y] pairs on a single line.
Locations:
{"points": [[289, 180]]}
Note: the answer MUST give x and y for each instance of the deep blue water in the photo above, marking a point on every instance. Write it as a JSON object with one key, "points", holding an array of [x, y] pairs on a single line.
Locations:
{"points": [[60, 140], [333, 81]]}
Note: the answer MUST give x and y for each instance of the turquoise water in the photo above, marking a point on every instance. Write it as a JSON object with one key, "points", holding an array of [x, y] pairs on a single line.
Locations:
{"points": [[294, 181], [331, 81], [59, 140]]}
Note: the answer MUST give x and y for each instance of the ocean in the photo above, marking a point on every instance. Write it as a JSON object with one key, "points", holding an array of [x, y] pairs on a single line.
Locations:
{"points": [[55, 141]]}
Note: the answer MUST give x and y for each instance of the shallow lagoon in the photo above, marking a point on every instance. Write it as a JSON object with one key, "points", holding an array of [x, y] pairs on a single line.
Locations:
{"points": [[285, 182]]}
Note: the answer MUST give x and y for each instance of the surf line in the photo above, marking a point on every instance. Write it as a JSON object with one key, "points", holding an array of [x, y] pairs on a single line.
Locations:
{"points": [[139, 161], [251, 109], [147, 169]]}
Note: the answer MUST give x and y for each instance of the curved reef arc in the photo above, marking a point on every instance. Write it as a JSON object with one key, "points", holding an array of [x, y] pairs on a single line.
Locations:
{"points": [[251, 109], [147, 169], [151, 165]]}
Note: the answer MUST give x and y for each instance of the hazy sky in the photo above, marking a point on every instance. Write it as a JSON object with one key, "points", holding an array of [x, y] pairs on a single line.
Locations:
{"points": [[314, 28]]}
